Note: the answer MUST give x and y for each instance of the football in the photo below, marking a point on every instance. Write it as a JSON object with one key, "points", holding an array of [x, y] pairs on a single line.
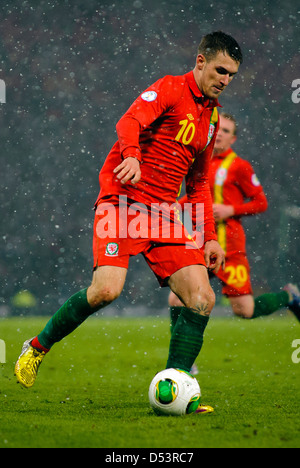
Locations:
{"points": [[174, 392]]}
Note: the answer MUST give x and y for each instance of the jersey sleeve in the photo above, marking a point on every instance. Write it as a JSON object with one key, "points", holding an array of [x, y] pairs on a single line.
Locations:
{"points": [[251, 189], [148, 107]]}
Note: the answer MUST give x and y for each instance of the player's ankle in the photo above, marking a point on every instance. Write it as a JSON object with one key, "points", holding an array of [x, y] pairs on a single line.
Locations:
{"points": [[37, 345]]}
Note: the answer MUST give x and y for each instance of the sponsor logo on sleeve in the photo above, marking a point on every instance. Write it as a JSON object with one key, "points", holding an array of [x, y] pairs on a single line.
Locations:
{"points": [[149, 96], [255, 180]]}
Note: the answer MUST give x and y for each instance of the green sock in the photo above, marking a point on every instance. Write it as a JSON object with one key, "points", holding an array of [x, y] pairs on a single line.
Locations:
{"points": [[66, 319], [175, 311], [269, 303], [186, 340]]}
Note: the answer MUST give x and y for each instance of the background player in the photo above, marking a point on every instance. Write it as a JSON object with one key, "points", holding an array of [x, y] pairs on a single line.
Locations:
{"points": [[170, 129], [237, 192]]}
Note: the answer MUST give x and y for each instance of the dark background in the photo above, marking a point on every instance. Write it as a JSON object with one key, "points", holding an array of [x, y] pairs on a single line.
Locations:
{"points": [[71, 69]]}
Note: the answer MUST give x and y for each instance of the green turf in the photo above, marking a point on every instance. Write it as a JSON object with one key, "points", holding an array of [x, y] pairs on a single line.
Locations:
{"points": [[92, 388]]}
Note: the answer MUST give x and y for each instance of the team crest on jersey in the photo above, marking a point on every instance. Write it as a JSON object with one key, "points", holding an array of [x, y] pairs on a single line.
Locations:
{"points": [[112, 249], [149, 96], [221, 176], [211, 132], [255, 180]]}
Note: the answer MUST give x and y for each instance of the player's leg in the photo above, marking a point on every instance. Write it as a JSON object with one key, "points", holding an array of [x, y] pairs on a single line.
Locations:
{"points": [[191, 285], [247, 307], [175, 307], [242, 306], [174, 301], [111, 257], [237, 287], [107, 285], [181, 266]]}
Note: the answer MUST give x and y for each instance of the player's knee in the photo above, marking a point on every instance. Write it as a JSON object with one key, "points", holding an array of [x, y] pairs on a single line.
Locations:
{"points": [[202, 302], [246, 313], [102, 296], [174, 301], [243, 306], [210, 299]]}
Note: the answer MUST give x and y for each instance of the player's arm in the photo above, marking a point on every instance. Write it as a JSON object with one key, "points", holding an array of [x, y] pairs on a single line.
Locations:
{"points": [[143, 112], [258, 204], [252, 191], [222, 211]]}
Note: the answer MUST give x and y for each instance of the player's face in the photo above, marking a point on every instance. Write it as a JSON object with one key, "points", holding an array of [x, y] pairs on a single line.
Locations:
{"points": [[214, 76], [225, 137]]}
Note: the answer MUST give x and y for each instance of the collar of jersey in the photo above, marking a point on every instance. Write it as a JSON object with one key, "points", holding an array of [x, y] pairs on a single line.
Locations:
{"points": [[224, 155], [198, 94]]}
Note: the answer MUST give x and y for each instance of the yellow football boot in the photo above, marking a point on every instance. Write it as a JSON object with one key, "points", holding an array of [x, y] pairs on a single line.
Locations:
{"points": [[204, 409], [28, 364]]}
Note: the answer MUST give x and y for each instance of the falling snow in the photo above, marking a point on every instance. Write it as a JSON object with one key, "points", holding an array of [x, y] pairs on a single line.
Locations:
{"points": [[71, 69]]}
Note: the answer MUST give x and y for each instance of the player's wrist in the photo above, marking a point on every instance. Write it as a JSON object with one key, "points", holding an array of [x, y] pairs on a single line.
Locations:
{"points": [[210, 236], [232, 210], [132, 153]]}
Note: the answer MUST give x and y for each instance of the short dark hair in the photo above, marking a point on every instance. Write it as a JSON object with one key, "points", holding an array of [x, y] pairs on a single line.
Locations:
{"points": [[232, 119], [218, 41]]}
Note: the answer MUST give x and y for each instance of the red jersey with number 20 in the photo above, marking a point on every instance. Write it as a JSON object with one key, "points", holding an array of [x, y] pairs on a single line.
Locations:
{"points": [[232, 182], [171, 130]]}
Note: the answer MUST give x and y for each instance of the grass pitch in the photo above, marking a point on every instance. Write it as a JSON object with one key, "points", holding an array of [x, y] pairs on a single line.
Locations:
{"points": [[92, 389]]}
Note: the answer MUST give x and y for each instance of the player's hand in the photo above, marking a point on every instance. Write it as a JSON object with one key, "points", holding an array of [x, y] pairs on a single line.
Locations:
{"points": [[129, 169], [214, 256], [222, 211]]}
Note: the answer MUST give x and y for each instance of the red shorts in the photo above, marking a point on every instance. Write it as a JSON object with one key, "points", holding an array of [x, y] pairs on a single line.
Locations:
{"points": [[124, 230], [236, 276]]}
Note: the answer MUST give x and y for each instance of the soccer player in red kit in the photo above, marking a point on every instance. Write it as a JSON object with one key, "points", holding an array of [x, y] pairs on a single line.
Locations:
{"points": [[237, 192], [168, 134]]}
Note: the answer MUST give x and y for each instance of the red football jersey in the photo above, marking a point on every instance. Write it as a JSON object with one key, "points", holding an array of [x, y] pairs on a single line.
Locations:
{"points": [[232, 182], [171, 129]]}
